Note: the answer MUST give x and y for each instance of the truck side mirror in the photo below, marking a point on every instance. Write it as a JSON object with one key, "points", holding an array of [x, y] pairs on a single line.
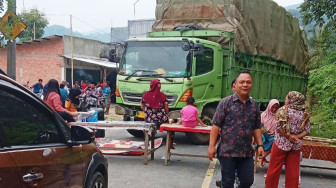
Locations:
{"points": [[198, 49], [112, 56], [186, 47]]}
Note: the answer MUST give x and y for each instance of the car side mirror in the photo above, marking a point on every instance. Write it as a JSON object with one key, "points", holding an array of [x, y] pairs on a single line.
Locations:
{"points": [[81, 135]]}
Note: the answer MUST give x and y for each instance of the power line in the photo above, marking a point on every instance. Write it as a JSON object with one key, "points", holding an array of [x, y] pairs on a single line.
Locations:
{"points": [[58, 14], [103, 32]]}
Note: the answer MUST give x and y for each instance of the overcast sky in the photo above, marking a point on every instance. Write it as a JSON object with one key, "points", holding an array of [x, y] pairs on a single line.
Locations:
{"points": [[90, 15]]}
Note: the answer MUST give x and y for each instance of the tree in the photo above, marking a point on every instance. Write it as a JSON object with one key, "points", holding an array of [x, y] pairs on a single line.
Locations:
{"points": [[1, 6], [2, 38], [322, 77], [321, 11], [29, 18]]}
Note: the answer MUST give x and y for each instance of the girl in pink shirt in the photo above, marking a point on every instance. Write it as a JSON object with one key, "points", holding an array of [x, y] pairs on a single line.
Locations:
{"points": [[189, 115]]}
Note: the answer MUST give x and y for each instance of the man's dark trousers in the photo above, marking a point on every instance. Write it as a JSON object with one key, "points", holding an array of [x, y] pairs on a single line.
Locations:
{"points": [[244, 166]]}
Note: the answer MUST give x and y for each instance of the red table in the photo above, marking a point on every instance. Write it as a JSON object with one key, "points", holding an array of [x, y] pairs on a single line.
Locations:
{"points": [[318, 150], [315, 148], [170, 128]]}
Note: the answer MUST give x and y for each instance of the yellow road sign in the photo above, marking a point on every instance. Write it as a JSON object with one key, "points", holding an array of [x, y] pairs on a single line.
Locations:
{"points": [[11, 26]]}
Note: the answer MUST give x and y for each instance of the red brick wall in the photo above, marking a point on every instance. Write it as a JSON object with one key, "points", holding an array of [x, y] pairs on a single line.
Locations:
{"points": [[37, 60]]}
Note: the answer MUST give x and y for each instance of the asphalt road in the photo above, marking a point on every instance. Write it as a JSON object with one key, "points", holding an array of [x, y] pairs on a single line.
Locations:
{"points": [[191, 172]]}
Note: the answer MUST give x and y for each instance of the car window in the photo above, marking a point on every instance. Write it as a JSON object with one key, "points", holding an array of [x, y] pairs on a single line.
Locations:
{"points": [[204, 63], [23, 122]]}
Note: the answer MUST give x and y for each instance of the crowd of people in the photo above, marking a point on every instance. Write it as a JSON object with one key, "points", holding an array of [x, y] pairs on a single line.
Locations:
{"points": [[278, 131], [65, 99]]}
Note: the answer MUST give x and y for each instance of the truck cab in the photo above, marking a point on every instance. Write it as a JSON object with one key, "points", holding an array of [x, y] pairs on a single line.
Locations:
{"points": [[186, 65]]}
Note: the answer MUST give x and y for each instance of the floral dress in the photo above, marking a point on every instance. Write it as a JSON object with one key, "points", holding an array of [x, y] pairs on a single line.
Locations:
{"points": [[295, 119], [157, 116]]}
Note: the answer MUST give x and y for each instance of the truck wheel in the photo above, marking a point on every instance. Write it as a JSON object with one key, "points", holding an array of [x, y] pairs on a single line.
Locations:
{"points": [[201, 138], [136, 133], [97, 181], [133, 132]]}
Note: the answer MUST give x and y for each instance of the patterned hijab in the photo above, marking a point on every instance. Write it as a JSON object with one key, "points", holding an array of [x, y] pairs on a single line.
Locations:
{"points": [[268, 118], [296, 101]]}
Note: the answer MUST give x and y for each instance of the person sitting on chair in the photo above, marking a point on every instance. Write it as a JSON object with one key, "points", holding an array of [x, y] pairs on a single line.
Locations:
{"points": [[269, 125]]}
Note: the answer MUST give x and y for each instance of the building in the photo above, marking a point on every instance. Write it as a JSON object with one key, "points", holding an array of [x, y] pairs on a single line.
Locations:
{"points": [[51, 57], [139, 28]]}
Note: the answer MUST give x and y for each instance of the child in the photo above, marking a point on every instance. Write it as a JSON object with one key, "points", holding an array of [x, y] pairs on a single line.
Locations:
{"points": [[72, 102], [107, 94], [189, 115]]}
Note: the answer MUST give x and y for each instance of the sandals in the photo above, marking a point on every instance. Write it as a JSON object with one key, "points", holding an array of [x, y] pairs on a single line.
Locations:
{"points": [[262, 162], [172, 145]]}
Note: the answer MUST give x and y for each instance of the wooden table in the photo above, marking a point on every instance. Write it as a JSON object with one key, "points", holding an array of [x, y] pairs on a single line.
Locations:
{"points": [[315, 148], [148, 128], [170, 128]]}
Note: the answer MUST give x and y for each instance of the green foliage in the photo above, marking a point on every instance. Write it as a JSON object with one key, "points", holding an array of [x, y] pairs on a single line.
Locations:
{"points": [[1, 6], [322, 78], [319, 10], [29, 18], [323, 42], [322, 89], [2, 38], [326, 130]]}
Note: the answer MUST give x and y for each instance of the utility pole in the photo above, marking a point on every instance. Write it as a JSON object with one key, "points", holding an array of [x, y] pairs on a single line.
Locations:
{"points": [[134, 6], [34, 31], [111, 36], [72, 64], [11, 53]]}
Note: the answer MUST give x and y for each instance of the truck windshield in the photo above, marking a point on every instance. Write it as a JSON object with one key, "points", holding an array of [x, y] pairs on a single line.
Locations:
{"points": [[155, 58]]}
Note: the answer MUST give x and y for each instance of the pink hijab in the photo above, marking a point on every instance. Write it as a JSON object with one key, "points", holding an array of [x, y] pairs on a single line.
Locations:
{"points": [[268, 118]]}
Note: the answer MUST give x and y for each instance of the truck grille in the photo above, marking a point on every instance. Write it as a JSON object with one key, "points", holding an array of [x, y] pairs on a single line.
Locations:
{"points": [[136, 98]]}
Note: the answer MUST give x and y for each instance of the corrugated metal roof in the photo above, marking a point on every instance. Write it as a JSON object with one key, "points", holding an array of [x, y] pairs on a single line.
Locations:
{"points": [[101, 62], [39, 40]]}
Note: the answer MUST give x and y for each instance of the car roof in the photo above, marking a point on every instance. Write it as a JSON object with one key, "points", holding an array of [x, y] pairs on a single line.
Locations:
{"points": [[4, 77], [2, 72], [7, 79]]}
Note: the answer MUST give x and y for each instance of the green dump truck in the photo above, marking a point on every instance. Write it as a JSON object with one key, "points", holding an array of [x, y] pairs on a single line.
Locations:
{"points": [[188, 63]]}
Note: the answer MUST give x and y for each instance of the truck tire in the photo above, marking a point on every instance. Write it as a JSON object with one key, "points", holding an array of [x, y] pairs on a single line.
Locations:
{"points": [[201, 138], [133, 132], [136, 133], [97, 181]]}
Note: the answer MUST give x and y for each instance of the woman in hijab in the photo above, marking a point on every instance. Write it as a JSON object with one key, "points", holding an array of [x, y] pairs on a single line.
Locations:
{"points": [[155, 105], [53, 98], [72, 102], [292, 124], [269, 125]]}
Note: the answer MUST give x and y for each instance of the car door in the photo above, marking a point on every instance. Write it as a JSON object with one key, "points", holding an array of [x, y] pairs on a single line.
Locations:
{"points": [[9, 176], [35, 140]]}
